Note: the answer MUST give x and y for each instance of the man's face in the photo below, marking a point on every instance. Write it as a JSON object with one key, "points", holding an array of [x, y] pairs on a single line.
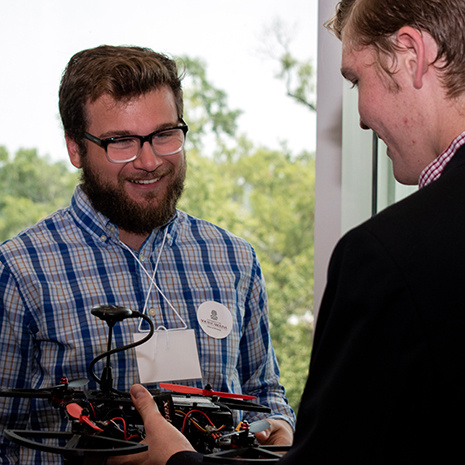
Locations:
{"points": [[389, 107], [139, 195]]}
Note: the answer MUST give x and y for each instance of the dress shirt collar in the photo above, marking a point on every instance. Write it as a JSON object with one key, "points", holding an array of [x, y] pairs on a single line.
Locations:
{"points": [[434, 170]]}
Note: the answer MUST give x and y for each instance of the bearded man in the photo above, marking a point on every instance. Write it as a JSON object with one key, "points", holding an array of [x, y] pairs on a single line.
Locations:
{"points": [[123, 242]]}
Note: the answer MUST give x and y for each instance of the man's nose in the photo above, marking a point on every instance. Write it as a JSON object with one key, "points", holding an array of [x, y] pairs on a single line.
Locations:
{"points": [[148, 160]]}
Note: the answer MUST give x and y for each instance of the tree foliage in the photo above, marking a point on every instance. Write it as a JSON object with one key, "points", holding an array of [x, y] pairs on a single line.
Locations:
{"points": [[265, 196], [209, 114], [31, 187], [298, 75]]}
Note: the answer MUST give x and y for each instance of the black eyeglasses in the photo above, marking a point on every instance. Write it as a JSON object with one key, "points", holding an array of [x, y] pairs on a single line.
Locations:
{"points": [[123, 149]]}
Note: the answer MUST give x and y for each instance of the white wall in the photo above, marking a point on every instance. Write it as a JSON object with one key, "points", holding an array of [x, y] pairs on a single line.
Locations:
{"points": [[328, 149]]}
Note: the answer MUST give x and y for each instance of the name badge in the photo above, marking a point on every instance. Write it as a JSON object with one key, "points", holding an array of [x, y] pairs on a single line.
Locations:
{"points": [[169, 355], [215, 319]]}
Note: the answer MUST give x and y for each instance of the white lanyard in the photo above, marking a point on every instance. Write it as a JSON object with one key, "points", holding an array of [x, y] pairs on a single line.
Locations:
{"points": [[154, 284]]}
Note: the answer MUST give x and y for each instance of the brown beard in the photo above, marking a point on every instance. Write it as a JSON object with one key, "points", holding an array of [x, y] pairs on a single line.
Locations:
{"points": [[131, 216]]}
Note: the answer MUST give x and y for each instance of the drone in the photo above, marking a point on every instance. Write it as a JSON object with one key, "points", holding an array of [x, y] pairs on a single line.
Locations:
{"points": [[105, 423]]}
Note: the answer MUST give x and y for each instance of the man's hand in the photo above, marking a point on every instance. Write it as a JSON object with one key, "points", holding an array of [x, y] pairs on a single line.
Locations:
{"points": [[279, 433], [163, 439]]}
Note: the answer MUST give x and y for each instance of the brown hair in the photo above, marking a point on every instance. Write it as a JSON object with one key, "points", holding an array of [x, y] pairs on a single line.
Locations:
{"points": [[123, 72], [374, 22]]}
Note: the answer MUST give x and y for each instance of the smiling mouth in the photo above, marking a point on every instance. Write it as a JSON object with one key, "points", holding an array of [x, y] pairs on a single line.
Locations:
{"points": [[145, 181]]}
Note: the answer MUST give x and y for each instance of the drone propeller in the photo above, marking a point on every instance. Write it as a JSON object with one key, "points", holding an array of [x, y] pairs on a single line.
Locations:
{"points": [[180, 389], [45, 392], [75, 411], [259, 426], [255, 427]]}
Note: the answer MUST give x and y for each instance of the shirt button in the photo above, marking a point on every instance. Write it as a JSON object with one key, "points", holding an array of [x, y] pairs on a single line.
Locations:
{"points": [[141, 258], [103, 238], [152, 312]]}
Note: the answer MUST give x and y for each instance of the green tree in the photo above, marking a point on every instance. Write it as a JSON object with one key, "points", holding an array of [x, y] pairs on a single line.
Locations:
{"points": [[209, 114], [30, 188], [298, 75], [266, 197]]}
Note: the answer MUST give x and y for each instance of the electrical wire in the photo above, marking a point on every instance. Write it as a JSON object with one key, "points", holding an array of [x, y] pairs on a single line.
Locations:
{"points": [[121, 349]]}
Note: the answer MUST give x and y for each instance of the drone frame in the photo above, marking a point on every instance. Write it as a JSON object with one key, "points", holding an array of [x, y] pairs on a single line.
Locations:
{"points": [[87, 446]]}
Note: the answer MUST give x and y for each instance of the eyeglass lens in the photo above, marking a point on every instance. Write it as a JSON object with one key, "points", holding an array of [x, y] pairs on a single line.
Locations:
{"points": [[166, 142]]}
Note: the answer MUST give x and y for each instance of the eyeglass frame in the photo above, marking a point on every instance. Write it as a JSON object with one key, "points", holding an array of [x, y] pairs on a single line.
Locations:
{"points": [[148, 138]]}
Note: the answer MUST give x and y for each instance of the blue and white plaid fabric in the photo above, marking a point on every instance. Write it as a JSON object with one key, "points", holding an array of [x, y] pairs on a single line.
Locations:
{"points": [[53, 273]]}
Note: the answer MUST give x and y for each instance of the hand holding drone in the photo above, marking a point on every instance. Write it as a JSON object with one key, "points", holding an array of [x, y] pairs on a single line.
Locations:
{"points": [[163, 439]]}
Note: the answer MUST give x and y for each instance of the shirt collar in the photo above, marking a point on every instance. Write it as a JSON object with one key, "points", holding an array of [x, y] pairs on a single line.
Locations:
{"points": [[434, 170]]}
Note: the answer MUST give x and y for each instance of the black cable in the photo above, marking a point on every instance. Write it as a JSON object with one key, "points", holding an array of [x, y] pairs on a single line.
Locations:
{"points": [[121, 349]]}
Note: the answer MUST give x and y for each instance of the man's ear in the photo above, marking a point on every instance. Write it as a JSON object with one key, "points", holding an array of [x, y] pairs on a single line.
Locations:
{"points": [[418, 50], [73, 151]]}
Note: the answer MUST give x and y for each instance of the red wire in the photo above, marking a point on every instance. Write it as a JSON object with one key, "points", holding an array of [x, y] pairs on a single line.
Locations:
{"points": [[93, 410], [195, 411], [124, 426]]}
